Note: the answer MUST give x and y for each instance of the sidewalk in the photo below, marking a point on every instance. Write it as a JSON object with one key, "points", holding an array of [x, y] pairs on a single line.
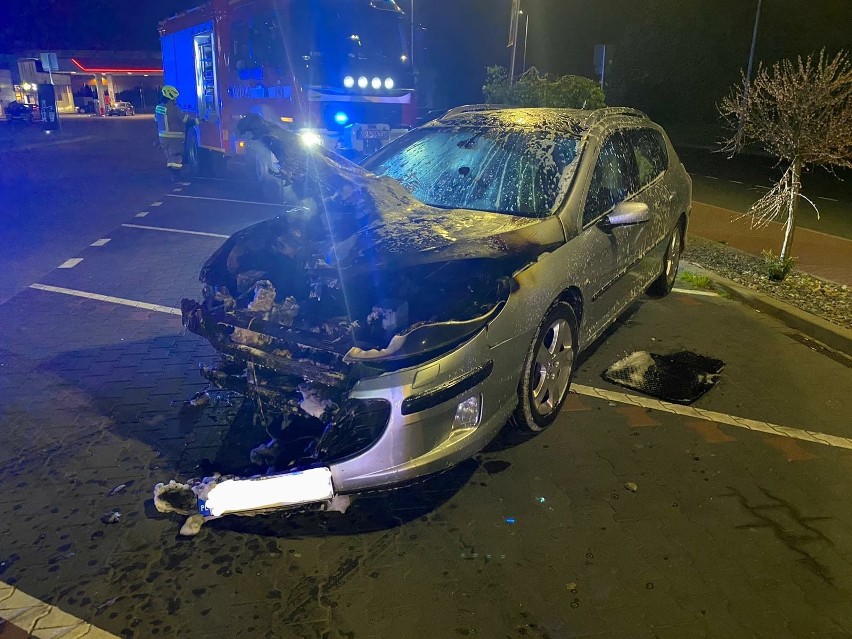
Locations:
{"points": [[819, 254]]}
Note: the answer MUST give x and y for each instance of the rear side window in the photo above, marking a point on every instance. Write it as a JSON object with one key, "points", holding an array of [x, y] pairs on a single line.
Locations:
{"points": [[649, 149], [613, 181]]}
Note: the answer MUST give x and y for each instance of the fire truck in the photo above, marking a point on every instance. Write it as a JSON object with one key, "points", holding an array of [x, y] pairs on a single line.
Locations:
{"points": [[338, 72]]}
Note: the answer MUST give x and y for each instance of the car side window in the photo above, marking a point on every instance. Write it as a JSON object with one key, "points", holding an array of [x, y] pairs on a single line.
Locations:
{"points": [[613, 180], [649, 149]]}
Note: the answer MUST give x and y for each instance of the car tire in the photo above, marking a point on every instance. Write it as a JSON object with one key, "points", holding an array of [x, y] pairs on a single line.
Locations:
{"points": [[195, 158], [548, 369], [663, 285]]}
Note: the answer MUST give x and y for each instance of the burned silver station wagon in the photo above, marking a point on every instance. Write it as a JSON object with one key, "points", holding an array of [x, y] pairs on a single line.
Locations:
{"points": [[391, 324]]}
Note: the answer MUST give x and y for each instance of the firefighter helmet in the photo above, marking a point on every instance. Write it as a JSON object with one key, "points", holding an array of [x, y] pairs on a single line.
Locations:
{"points": [[170, 92]]}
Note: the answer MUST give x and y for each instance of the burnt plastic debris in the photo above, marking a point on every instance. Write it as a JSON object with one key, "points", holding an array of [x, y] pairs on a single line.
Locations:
{"points": [[680, 378]]}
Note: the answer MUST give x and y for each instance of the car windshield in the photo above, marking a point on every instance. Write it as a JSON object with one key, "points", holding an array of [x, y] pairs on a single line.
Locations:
{"points": [[501, 170]]}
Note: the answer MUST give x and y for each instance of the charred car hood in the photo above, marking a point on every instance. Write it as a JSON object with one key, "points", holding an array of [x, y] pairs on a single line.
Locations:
{"points": [[388, 239]]}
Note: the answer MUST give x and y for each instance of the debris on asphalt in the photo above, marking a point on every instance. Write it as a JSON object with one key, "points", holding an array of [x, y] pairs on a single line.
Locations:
{"points": [[175, 497], [116, 490], [111, 517], [681, 377], [339, 504], [632, 487], [192, 525]]}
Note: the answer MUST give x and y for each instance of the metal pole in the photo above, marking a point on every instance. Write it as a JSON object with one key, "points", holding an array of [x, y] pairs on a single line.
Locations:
{"points": [[516, 11], [753, 43], [412, 36], [603, 67], [526, 33]]}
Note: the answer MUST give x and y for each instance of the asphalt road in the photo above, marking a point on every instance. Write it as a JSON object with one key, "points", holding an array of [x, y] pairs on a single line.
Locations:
{"points": [[626, 518]]}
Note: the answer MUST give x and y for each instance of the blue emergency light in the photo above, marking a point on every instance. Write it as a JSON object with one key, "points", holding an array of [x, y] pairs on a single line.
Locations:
{"points": [[341, 118]]}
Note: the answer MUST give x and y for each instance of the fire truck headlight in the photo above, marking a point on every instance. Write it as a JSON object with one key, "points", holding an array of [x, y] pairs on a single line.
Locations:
{"points": [[341, 118], [377, 83], [311, 138], [389, 83], [349, 82], [362, 82]]}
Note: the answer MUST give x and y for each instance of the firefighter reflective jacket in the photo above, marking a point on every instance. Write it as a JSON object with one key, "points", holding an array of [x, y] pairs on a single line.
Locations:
{"points": [[171, 121]]}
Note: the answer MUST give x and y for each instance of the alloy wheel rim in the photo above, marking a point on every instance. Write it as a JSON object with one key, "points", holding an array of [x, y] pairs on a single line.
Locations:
{"points": [[673, 258], [552, 368]]}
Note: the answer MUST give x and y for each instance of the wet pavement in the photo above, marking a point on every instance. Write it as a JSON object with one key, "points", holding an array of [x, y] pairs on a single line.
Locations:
{"points": [[617, 521]]}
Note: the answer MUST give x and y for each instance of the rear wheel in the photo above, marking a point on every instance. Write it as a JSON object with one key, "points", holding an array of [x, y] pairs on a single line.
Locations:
{"points": [[548, 369], [195, 158], [663, 285]]}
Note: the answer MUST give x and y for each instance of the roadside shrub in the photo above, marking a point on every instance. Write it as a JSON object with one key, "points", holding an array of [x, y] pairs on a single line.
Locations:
{"points": [[777, 268], [534, 89]]}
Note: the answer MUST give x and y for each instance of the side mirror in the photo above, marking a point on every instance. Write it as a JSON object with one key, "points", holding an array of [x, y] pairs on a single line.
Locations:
{"points": [[626, 214]]}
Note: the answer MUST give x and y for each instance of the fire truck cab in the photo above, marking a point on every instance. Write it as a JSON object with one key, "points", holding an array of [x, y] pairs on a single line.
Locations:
{"points": [[336, 71]]}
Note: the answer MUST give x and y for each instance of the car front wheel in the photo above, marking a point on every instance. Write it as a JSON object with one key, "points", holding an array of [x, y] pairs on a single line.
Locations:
{"points": [[548, 369]]}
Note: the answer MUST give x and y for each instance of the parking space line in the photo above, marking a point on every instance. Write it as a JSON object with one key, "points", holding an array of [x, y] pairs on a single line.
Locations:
{"points": [[74, 261], [830, 199], [156, 204], [221, 199], [141, 214], [168, 230], [177, 189], [713, 416], [106, 298], [101, 242], [34, 618], [689, 291]]}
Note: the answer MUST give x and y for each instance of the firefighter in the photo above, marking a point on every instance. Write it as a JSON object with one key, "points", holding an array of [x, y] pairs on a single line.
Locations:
{"points": [[171, 127]]}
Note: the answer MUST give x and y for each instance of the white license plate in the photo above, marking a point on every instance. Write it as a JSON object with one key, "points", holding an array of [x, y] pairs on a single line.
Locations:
{"points": [[262, 493], [374, 134]]}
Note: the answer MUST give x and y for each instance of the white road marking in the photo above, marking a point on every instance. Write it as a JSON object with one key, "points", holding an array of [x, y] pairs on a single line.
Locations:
{"points": [[177, 190], [106, 298], [142, 214], [74, 261], [100, 242], [156, 203], [38, 619], [690, 291], [736, 182], [221, 199], [830, 199], [713, 416], [215, 179], [184, 183], [162, 228]]}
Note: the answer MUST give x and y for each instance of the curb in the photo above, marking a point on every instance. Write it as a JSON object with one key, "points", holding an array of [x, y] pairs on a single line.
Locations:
{"points": [[831, 335]]}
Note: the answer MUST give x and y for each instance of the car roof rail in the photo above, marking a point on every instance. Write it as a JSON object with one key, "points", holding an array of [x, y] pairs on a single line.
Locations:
{"points": [[472, 108], [599, 114]]}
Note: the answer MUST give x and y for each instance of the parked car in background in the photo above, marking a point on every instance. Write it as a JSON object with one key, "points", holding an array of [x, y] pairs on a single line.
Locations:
{"points": [[21, 112], [390, 329], [121, 108]]}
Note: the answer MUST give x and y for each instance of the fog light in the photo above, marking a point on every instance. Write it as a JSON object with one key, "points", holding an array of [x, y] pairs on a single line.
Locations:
{"points": [[468, 413]]}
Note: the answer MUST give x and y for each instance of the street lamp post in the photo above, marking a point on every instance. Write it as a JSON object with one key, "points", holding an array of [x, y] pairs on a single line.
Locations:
{"points": [[753, 42], [513, 37]]}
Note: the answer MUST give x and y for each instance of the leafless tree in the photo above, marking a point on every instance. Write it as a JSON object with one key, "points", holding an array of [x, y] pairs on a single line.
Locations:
{"points": [[800, 112]]}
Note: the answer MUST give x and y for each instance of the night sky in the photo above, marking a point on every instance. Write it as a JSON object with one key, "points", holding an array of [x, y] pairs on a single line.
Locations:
{"points": [[669, 56]]}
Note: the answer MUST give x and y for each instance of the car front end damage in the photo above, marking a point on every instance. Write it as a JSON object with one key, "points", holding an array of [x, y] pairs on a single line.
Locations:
{"points": [[364, 334]]}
